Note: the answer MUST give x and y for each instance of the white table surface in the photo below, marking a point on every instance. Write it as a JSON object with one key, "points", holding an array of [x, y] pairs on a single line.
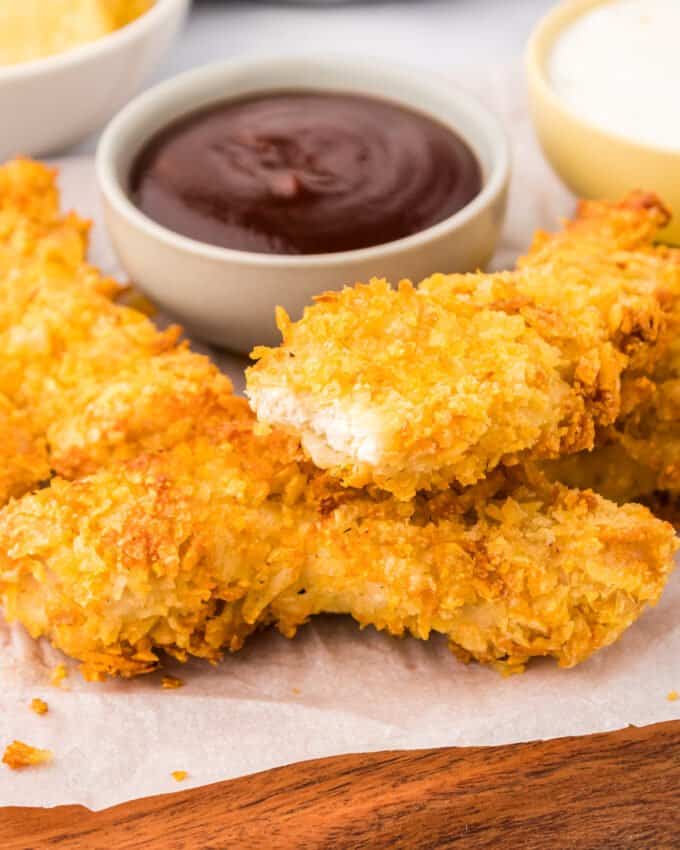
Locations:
{"points": [[434, 33]]}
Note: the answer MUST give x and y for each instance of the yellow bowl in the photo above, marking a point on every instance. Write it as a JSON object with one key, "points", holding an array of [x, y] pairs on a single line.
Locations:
{"points": [[593, 162]]}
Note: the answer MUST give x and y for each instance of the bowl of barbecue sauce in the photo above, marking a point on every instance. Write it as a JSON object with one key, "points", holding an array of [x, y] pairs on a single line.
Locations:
{"points": [[236, 188]]}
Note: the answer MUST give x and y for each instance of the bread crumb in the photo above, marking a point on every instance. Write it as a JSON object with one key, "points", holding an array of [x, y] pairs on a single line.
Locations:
{"points": [[171, 682], [295, 691], [179, 775], [18, 755], [58, 675], [672, 696], [38, 705]]}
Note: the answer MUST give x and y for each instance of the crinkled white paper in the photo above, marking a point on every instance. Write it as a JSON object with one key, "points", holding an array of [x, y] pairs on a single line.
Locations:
{"points": [[333, 689]]}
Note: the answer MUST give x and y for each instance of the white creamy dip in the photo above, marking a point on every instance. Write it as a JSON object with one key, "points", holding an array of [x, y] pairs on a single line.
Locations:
{"points": [[618, 66]]}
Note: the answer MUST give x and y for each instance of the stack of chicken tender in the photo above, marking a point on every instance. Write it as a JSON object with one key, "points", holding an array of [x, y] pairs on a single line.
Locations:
{"points": [[402, 469]]}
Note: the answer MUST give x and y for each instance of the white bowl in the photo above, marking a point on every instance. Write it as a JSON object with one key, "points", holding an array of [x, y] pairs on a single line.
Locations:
{"points": [[228, 297], [54, 102]]}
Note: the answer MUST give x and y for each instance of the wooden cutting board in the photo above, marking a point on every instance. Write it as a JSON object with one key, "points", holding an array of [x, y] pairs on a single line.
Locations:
{"points": [[615, 791]]}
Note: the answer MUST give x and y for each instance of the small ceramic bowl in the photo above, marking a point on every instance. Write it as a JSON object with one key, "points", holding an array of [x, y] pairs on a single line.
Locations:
{"points": [[594, 163], [228, 297], [50, 103]]}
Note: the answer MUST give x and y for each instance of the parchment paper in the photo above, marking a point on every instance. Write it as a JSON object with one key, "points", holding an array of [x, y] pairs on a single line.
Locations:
{"points": [[333, 689]]}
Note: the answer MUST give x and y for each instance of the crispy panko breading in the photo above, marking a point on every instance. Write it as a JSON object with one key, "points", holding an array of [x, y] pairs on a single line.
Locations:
{"points": [[18, 755], [98, 380], [613, 473], [191, 549], [404, 390], [33, 229], [23, 453], [638, 456], [418, 387], [182, 550], [39, 706], [510, 569], [194, 525]]}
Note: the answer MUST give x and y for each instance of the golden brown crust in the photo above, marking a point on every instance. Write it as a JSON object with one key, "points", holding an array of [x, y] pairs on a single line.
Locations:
{"points": [[639, 458], [23, 453], [190, 550], [441, 405], [442, 382], [96, 379], [197, 526]]}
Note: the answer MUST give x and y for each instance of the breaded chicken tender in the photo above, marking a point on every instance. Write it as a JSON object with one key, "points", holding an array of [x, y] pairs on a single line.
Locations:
{"points": [[189, 550], [509, 570], [195, 525], [407, 391], [637, 456], [100, 380], [32, 227], [420, 387], [97, 379]]}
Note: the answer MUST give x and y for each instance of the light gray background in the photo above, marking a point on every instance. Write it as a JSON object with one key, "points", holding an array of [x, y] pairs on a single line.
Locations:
{"points": [[440, 34]]}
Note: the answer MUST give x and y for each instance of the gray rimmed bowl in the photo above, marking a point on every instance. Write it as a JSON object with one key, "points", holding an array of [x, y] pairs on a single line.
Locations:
{"points": [[227, 297]]}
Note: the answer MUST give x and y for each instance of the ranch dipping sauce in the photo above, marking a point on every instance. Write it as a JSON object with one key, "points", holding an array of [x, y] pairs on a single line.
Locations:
{"points": [[304, 173], [618, 66]]}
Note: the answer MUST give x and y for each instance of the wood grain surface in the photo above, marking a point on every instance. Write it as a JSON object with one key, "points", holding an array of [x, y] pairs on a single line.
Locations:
{"points": [[616, 791]]}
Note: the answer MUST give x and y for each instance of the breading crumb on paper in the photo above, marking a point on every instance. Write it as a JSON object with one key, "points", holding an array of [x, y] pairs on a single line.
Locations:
{"points": [[672, 696], [58, 675], [179, 775], [39, 705], [18, 755], [169, 683]]}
